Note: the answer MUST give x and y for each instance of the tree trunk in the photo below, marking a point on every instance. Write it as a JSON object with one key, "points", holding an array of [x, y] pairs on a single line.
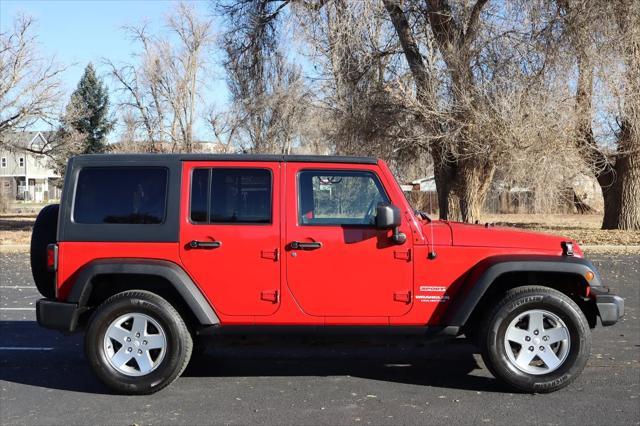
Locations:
{"points": [[610, 186], [443, 189], [474, 181], [628, 164], [453, 207], [629, 215], [443, 174], [621, 185]]}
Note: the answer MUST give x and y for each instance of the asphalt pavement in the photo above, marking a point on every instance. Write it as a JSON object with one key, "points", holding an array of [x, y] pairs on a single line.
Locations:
{"points": [[44, 378]]}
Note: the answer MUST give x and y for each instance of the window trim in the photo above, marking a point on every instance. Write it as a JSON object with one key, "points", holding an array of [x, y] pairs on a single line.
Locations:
{"points": [[3, 162], [208, 222], [75, 194], [376, 179], [21, 161]]}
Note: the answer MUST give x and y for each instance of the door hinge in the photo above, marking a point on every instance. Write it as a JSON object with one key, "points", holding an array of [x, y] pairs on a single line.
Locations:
{"points": [[402, 254], [270, 254], [269, 296], [402, 296]]}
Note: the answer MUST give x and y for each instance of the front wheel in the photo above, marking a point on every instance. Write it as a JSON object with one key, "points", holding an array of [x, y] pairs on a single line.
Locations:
{"points": [[137, 343], [536, 340]]}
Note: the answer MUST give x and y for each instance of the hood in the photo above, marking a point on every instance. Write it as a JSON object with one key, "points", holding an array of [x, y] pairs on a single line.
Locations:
{"points": [[482, 236]]}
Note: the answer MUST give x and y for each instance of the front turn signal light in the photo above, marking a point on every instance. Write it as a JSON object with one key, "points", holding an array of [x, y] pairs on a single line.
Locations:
{"points": [[589, 275]]}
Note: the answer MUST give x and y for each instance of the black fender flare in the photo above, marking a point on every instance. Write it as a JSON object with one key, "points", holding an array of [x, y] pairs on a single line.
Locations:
{"points": [[489, 269], [173, 273]]}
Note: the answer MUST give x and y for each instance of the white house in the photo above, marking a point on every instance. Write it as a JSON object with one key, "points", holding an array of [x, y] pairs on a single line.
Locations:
{"points": [[26, 175], [425, 184]]}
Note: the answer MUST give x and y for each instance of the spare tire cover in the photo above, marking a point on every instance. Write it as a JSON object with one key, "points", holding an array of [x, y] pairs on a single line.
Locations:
{"points": [[44, 233]]}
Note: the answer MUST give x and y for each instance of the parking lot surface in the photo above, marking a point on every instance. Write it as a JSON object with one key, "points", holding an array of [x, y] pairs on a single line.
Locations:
{"points": [[44, 378]]}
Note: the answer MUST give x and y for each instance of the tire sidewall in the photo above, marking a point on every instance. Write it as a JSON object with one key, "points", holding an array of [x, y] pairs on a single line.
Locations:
{"points": [[579, 350], [174, 353]]}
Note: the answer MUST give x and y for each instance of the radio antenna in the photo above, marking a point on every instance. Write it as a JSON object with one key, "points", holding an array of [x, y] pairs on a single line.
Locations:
{"points": [[432, 254]]}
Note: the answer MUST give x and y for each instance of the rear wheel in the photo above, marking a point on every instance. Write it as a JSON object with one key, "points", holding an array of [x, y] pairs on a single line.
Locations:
{"points": [[137, 343], [536, 340]]}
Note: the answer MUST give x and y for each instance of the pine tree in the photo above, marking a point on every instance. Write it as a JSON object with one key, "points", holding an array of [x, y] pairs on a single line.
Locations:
{"points": [[88, 112]]}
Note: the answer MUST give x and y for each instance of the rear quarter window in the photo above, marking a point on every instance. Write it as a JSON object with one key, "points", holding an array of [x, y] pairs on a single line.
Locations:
{"points": [[121, 195]]}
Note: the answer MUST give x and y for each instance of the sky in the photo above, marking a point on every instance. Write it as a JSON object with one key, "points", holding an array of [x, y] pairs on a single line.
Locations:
{"points": [[82, 31]]}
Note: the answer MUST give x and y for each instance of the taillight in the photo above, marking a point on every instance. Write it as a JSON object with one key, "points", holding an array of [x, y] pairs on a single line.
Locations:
{"points": [[52, 257]]}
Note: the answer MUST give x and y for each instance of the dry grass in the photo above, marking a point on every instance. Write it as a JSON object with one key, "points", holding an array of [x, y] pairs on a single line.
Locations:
{"points": [[585, 229], [15, 230]]}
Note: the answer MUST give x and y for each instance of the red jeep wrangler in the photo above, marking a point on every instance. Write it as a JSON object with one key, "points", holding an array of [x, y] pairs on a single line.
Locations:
{"points": [[146, 253]]}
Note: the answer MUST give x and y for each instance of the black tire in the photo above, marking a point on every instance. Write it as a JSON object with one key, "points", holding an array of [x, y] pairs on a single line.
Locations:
{"points": [[178, 342], [44, 233], [516, 302]]}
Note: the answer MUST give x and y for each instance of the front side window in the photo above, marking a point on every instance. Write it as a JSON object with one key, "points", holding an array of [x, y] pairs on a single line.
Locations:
{"points": [[227, 195], [122, 195], [339, 197]]}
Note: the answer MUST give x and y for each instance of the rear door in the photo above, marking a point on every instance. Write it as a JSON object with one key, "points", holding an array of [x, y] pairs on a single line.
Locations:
{"points": [[230, 234], [338, 264]]}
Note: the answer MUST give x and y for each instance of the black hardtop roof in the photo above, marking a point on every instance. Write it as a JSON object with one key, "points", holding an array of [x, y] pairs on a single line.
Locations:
{"points": [[155, 158]]}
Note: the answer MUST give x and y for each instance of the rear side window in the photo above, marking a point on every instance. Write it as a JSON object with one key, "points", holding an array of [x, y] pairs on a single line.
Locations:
{"points": [[199, 195], [122, 195], [231, 196], [339, 197]]}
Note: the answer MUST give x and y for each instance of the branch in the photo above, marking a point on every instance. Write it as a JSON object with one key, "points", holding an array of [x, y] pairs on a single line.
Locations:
{"points": [[445, 29], [312, 6], [275, 13], [409, 45], [472, 26]]}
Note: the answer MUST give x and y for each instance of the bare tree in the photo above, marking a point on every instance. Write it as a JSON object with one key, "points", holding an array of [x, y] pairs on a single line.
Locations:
{"points": [[607, 36], [225, 127], [484, 87], [30, 88], [358, 81], [473, 64], [163, 89], [269, 97]]}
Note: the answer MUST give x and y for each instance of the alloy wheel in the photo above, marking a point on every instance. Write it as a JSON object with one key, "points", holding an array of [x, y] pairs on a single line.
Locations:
{"points": [[135, 344], [537, 342]]}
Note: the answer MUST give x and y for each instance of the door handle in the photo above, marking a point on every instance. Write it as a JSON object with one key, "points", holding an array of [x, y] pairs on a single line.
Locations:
{"points": [[296, 245], [194, 244]]}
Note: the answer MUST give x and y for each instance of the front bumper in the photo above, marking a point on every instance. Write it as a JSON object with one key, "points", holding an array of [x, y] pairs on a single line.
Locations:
{"points": [[58, 315], [610, 308]]}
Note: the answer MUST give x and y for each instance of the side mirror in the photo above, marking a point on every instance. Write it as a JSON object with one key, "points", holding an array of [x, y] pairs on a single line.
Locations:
{"points": [[388, 217]]}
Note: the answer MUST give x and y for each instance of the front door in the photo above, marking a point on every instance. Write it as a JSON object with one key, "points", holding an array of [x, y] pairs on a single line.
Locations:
{"points": [[230, 234], [338, 264]]}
